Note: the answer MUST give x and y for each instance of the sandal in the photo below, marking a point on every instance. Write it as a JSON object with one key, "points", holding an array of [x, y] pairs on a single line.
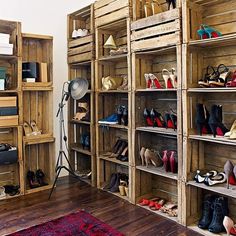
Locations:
{"points": [[168, 206], [221, 76], [155, 82], [146, 202], [158, 205], [27, 129], [204, 82], [35, 129]]}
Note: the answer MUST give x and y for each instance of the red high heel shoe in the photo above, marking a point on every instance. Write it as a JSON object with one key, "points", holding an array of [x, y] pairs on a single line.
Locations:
{"points": [[173, 162], [155, 82], [147, 117], [232, 82], [166, 161], [148, 81], [157, 118], [168, 121], [167, 78]]}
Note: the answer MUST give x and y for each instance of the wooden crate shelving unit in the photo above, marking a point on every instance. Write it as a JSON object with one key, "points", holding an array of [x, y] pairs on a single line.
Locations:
{"points": [[38, 151], [112, 18], [206, 152], [12, 134], [81, 52]]}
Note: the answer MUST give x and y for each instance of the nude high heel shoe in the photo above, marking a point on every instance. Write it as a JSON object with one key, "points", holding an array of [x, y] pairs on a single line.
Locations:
{"points": [[141, 153], [232, 133], [173, 77], [152, 157], [229, 226]]}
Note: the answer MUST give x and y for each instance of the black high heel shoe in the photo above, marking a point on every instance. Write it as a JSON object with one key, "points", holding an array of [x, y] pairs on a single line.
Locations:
{"points": [[147, 117], [173, 118], [31, 179], [202, 119], [157, 118], [40, 177], [125, 117], [199, 178], [171, 4], [215, 121], [119, 114]]}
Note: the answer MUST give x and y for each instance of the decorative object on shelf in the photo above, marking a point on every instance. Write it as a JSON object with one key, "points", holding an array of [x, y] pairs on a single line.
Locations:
{"points": [[6, 48], [8, 154], [214, 209], [206, 32], [82, 112], [79, 32], [230, 172], [111, 83], [76, 89], [119, 51], [30, 71], [171, 4], [110, 43], [232, 133], [229, 225]]}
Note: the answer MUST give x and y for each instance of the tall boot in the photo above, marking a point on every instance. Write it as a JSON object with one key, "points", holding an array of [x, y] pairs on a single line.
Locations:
{"points": [[220, 210]]}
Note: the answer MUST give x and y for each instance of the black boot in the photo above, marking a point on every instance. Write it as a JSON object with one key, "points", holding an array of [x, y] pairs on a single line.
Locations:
{"points": [[125, 116], [119, 113], [207, 211], [202, 119], [220, 210], [215, 121]]}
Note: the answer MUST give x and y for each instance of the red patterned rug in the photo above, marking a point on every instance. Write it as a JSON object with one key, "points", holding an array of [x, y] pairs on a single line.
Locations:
{"points": [[75, 224]]}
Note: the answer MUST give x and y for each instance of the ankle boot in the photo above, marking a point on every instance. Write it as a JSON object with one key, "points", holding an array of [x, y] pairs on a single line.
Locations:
{"points": [[220, 210], [215, 123], [202, 119], [207, 211]]}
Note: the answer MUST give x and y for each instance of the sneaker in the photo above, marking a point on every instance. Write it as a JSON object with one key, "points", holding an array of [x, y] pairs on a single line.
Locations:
{"points": [[110, 120]]}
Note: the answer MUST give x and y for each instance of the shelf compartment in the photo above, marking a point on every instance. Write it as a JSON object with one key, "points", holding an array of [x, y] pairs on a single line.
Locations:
{"points": [[118, 68], [154, 62], [161, 30], [112, 11], [12, 28], [80, 122], [193, 203], [39, 156], [212, 90], [37, 86], [37, 107], [37, 48], [148, 185], [105, 169], [157, 130], [78, 148], [190, 101], [217, 14], [39, 189], [36, 139]]}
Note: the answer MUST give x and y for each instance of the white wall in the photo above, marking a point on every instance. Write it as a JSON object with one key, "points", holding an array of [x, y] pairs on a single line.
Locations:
{"points": [[46, 17]]}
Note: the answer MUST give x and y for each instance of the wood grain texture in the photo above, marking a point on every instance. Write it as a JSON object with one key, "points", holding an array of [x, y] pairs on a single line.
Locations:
{"points": [[71, 196]]}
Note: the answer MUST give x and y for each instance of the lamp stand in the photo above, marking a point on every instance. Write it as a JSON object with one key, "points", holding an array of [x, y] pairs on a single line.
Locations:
{"points": [[59, 163]]}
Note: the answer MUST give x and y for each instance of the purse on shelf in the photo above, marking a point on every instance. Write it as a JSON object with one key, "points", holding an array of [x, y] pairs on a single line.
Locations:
{"points": [[111, 83]]}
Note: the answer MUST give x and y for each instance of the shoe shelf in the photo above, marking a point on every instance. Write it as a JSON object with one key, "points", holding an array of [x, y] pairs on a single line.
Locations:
{"points": [[212, 90], [216, 14], [114, 58], [157, 130], [78, 148], [37, 86], [105, 171], [80, 122], [205, 232], [80, 47], [149, 186], [107, 157], [41, 138]]}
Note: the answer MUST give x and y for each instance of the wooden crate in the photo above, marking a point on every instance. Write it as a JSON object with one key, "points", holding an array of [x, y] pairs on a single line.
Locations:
{"points": [[108, 11], [12, 28], [148, 185], [218, 14], [38, 48], [139, 12], [120, 30], [39, 156], [81, 49], [105, 169], [37, 107], [156, 31], [154, 62]]}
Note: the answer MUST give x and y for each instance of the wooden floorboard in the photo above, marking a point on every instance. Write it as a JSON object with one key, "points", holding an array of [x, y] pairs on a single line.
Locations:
{"points": [[70, 196]]}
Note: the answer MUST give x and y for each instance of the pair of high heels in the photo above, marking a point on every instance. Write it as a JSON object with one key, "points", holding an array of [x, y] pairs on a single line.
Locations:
{"points": [[229, 225], [170, 161], [122, 114], [85, 141], [36, 179], [169, 77], [171, 4], [115, 181], [150, 157], [215, 78], [154, 204], [206, 32], [230, 171], [82, 113], [210, 178], [120, 150], [210, 123], [214, 209], [155, 119]]}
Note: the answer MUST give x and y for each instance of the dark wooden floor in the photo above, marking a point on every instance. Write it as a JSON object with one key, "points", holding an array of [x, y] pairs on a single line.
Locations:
{"points": [[69, 196]]}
